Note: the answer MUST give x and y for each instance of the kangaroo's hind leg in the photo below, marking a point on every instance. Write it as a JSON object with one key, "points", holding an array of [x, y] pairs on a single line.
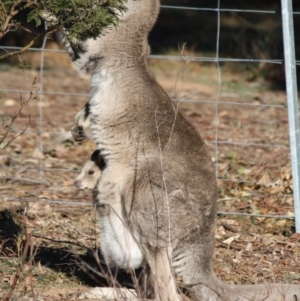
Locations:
{"points": [[163, 280], [193, 265], [144, 205]]}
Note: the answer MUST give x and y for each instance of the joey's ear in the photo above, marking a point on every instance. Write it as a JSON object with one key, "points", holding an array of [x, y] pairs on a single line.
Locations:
{"points": [[95, 156], [98, 159], [101, 162]]}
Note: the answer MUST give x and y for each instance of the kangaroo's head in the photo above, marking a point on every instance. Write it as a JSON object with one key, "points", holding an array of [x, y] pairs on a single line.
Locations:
{"points": [[127, 43]]}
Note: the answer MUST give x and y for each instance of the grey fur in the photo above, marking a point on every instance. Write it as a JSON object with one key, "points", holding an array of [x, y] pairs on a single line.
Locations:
{"points": [[159, 180]]}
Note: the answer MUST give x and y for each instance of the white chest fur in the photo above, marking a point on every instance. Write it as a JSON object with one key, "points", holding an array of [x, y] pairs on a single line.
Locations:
{"points": [[102, 93], [118, 246]]}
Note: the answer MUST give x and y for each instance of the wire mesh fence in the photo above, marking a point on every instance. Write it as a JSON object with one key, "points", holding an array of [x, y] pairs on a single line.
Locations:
{"points": [[244, 121]]}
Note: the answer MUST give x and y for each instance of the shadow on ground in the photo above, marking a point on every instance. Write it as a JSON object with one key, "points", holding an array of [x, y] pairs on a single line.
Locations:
{"points": [[87, 268]]}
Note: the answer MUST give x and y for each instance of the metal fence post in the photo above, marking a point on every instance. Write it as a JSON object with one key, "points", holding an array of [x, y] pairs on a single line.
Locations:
{"points": [[292, 98]]}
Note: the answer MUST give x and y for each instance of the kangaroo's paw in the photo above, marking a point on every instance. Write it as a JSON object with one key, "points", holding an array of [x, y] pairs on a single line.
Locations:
{"points": [[78, 133], [49, 18], [81, 124]]}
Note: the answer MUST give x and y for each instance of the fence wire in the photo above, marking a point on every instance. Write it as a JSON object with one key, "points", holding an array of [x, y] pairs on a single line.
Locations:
{"points": [[217, 139]]}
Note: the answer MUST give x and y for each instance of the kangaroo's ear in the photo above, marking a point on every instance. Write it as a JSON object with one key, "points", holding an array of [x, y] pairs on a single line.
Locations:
{"points": [[95, 156], [86, 110]]}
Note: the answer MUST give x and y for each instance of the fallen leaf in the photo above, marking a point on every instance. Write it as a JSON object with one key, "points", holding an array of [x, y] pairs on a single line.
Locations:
{"points": [[249, 247], [37, 154], [281, 222], [9, 102], [229, 240], [61, 151], [276, 190], [265, 179]]}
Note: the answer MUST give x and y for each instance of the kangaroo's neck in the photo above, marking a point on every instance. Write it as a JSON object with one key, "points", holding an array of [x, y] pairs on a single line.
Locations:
{"points": [[121, 72], [125, 45], [123, 55]]}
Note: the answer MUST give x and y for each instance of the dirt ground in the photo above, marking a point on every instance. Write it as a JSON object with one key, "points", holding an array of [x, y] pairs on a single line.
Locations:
{"points": [[48, 229]]}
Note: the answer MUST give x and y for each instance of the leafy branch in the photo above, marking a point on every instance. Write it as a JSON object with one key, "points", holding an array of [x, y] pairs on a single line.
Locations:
{"points": [[82, 18], [14, 9], [23, 49]]}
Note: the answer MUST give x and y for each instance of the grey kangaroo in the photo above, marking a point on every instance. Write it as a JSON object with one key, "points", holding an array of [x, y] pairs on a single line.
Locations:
{"points": [[159, 181]]}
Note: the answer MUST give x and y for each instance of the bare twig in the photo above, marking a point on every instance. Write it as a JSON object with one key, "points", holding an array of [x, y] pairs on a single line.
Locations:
{"points": [[61, 241], [27, 252], [24, 180], [5, 135], [3, 8], [229, 227]]}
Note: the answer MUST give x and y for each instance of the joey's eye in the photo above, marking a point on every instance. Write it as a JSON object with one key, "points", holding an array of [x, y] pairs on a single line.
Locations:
{"points": [[91, 172]]}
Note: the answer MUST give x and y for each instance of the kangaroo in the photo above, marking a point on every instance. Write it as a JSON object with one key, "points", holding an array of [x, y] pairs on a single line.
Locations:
{"points": [[159, 181], [91, 172]]}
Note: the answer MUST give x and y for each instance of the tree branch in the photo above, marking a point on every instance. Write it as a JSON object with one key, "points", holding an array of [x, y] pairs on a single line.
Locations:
{"points": [[13, 13], [3, 8], [25, 48]]}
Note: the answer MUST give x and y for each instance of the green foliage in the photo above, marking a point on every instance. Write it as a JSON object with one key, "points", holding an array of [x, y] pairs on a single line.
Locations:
{"points": [[85, 18], [82, 18], [35, 15]]}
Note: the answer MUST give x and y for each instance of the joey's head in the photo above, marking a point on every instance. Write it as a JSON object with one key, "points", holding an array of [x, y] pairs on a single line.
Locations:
{"points": [[127, 42], [89, 176], [91, 172]]}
